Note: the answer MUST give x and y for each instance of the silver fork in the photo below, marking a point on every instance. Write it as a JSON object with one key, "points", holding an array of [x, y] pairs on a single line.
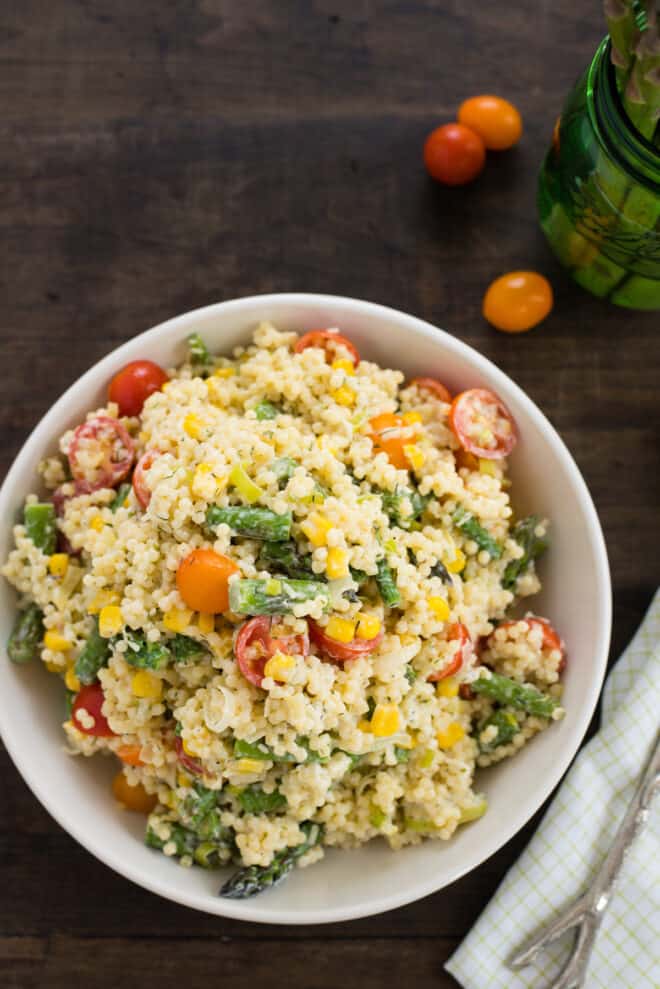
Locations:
{"points": [[586, 914]]}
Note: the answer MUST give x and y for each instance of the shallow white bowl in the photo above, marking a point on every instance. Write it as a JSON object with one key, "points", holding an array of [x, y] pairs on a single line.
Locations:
{"points": [[576, 594]]}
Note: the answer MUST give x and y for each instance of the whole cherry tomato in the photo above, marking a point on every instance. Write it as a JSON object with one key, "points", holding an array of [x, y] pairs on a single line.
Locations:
{"points": [[495, 120], [203, 580], [133, 797], [517, 301], [132, 386], [454, 154]]}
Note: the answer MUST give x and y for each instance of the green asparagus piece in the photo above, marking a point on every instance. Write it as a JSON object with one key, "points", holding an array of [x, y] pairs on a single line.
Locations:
{"points": [[402, 755], [201, 813], [69, 698], [199, 352], [266, 410], [183, 647], [469, 526], [524, 532], [283, 468], [27, 635], [285, 558], [95, 655], [274, 596], [393, 506], [123, 492], [254, 800], [143, 654], [387, 585], [258, 750], [256, 523], [256, 878], [507, 727], [40, 524], [210, 856], [520, 696]]}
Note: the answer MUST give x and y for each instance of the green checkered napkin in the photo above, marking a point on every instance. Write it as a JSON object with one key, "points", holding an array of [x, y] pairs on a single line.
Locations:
{"points": [[569, 845]]}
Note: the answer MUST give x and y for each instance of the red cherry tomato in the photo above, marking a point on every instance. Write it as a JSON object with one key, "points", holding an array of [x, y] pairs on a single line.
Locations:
{"points": [[329, 340], [132, 386], [254, 646], [454, 154], [100, 455], [464, 651], [341, 652], [436, 388], [90, 699], [185, 760], [551, 639], [142, 492], [496, 121], [482, 424], [517, 301]]}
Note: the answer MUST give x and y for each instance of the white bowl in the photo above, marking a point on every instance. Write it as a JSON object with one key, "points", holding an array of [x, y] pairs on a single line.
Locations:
{"points": [[576, 594]]}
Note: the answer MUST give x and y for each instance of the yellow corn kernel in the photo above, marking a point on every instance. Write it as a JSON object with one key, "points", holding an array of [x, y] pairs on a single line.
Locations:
{"points": [[183, 781], [58, 564], [53, 667], [206, 623], [385, 720], [145, 684], [55, 641], [110, 621], [364, 725], [224, 372], [414, 455], [103, 598], [192, 425], [368, 626], [278, 666], [447, 687], [340, 629], [246, 487], [177, 619], [408, 741], [316, 527], [144, 436], [439, 607], [487, 467], [411, 418], [71, 681], [337, 563], [426, 759], [96, 523], [249, 766], [273, 586], [344, 396], [188, 747], [458, 562], [343, 364], [452, 734]]}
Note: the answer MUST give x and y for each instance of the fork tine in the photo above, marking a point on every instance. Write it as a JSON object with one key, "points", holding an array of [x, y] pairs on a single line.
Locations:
{"points": [[550, 932]]}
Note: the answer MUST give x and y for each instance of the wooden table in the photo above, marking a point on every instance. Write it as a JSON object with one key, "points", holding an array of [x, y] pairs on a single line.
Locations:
{"points": [[161, 156]]}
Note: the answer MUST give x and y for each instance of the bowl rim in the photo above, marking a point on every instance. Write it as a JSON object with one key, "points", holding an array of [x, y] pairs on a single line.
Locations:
{"points": [[579, 723]]}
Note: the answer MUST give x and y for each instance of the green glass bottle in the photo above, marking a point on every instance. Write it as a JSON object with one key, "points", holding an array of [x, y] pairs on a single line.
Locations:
{"points": [[599, 193]]}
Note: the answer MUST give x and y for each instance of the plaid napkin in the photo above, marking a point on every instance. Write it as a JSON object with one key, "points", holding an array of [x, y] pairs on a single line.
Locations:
{"points": [[569, 845]]}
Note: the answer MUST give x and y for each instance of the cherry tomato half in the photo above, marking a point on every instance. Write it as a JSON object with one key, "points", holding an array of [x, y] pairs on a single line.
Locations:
{"points": [[482, 424], [185, 760], [100, 455], [254, 646], [90, 699], [517, 301], [551, 639], [130, 755], [436, 388], [387, 435], [133, 797], [203, 580], [142, 492], [329, 340], [132, 386], [496, 121], [457, 633], [454, 154], [341, 652]]}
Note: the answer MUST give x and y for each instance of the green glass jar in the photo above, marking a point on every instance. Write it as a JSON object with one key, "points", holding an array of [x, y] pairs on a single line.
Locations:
{"points": [[599, 194]]}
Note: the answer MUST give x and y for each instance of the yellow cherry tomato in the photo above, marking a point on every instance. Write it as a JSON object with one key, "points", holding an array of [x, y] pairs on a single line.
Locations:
{"points": [[133, 797], [517, 301], [497, 121]]}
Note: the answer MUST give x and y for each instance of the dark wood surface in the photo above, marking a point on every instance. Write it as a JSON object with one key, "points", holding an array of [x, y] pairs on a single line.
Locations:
{"points": [[161, 156]]}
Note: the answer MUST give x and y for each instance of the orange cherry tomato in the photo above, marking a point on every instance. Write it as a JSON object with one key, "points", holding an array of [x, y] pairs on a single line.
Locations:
{"points": [[130, 754], [454, 154], [436, 388], [517, 301], [329, 340], [495, 120], [482, 424], [203, 580], [133, 797], [132, 386], [386, 436]]}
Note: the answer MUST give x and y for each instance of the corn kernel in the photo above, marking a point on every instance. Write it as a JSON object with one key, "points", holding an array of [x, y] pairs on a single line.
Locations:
{"points": [[340, 629], [385, 720], [205, 483], [364, 725], [343, 364], [249, 766], [278, 666], [452, 734], [71, 681], [177, 619], [411, 418], [53, 667], [192, 425], [224, 372], [439, 607], [337, 563], [426, 759], [458, 563], [188, 747], [103, 598], [58, 564], [368, 627], [206, 623], [144, 436], [97, 524], [273, 586], [447, 687], [316, 527], [344, 396], [145, 684], [55, 641], [414, 455], [110, 621], [487, 467], [183, 781]]}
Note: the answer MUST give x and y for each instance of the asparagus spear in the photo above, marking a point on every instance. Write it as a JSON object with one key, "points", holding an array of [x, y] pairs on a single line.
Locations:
{"points": [[283, 468], [524, 532], [393, 506], [40, 525], [286, 558], [466, 522], [521, 696], [256, 878], [27, 634], [95, 655], [387, 585], [257, 523], [274, 596], [506, 725]]}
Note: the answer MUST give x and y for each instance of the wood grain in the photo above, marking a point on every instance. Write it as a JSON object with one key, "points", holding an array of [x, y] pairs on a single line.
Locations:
{"points": [[158, 157]]}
